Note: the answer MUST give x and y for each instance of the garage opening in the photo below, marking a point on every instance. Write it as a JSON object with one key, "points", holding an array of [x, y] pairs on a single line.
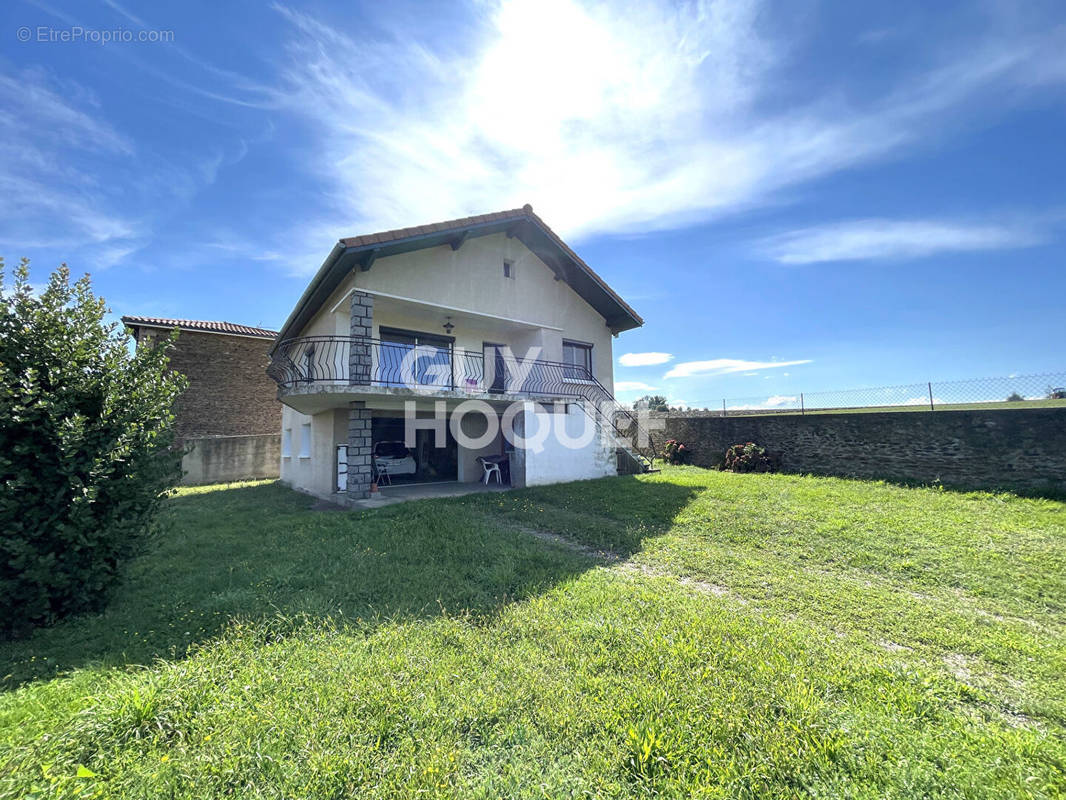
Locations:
{"points": [[395, 463]]}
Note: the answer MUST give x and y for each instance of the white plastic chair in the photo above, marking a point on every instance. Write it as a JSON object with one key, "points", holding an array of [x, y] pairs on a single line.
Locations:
{"points": [[491, 468]]}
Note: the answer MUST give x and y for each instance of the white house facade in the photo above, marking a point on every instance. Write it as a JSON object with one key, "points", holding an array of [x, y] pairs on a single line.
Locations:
{"points": [[441, 352]]}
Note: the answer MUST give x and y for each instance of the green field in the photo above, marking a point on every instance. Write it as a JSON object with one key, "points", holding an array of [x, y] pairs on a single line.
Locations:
{"points": [[996, 406], [682, 634]]}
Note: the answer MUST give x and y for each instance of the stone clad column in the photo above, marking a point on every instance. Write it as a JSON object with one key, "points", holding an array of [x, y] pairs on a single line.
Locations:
{"points": [[359, 444], [360, 362]]}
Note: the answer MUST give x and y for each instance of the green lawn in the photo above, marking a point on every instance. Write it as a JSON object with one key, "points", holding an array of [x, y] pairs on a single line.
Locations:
{"points": [[715, 635], [1002, 405]]}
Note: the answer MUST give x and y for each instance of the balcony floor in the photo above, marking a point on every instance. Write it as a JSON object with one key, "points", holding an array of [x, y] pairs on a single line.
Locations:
{"points": [[317, 397]]}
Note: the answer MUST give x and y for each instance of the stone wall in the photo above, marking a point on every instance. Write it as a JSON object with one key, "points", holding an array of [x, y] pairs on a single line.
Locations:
{"points": [[222, 459], [362, 329], [360, 438], [229, 392], [995, 449]]}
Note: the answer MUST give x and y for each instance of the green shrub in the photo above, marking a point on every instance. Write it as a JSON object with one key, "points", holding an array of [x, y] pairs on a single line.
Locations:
{"points": [[86, 448], [750, 457]]}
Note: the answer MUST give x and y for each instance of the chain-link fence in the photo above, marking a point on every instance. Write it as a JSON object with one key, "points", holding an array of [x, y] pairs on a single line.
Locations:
{"points": [[1014, 391]]}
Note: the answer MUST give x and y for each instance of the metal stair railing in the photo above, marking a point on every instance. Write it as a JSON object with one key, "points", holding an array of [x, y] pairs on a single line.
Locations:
{"points": [[630, 434]]}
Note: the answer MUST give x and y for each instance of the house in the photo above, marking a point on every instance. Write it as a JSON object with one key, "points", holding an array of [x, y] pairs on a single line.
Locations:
{"points": [[229, 416], [438, 351]]}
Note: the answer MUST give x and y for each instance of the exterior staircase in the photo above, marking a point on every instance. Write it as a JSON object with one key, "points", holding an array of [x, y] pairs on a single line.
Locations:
{"points": [[632, 457]]}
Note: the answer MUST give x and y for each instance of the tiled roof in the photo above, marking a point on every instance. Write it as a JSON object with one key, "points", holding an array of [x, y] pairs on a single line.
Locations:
{"points": [[436, 227], [525, 212], [199, 325], [519, 222]]}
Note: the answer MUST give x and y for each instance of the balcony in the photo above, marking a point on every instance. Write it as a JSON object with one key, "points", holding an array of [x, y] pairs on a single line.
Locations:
{"points": [[345, 365], [355, 362]]}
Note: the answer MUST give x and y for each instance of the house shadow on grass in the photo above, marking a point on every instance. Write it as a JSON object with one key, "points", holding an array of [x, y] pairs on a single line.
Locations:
{"points": [[255, 552], [617, 514]]}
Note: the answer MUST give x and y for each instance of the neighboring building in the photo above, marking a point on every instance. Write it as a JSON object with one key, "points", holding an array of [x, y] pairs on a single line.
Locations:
{"points": [[229, 414], [433, 314]]}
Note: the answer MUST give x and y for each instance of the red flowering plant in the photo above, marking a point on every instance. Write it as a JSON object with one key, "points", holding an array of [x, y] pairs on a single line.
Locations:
{"points": [[674, 452], [750, 457]]}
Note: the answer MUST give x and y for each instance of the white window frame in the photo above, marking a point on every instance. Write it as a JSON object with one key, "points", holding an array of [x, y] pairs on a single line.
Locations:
{"points": [[305, 440], [286, 443], [588, 348]]}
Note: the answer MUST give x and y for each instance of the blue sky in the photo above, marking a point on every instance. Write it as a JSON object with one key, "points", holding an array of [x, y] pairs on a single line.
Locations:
{"points": [[872, 193]]}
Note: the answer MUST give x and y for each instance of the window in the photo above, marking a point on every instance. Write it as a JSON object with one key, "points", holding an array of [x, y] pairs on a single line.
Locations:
{"points": [[508, 269], [305, 440], [433, 367], [578, 360], [286, 443]]}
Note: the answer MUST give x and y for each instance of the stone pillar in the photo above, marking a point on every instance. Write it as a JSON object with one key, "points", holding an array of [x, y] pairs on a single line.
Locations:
{"points": [[360, 362], [359, 444]]}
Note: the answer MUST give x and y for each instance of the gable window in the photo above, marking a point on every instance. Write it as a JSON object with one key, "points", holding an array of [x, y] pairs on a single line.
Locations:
{"points": [[508, 269], [577, 357]]}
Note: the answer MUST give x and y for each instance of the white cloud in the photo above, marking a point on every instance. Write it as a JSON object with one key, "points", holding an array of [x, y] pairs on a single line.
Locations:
{"points": [[648, 115], [633, 386], [54, 115], [71, 183], [45, 200], [883, 239], [774, 401], [921, 401], [643, 359], [724, 366], [781, 400]]}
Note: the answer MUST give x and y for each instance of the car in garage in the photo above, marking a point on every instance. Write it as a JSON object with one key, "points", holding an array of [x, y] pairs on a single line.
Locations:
{"points": [[394, 458]]}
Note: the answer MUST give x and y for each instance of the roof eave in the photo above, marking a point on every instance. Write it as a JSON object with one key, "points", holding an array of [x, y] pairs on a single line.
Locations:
{"points": [[316, 281], [135, 323], [343, 258], [629, 318]]}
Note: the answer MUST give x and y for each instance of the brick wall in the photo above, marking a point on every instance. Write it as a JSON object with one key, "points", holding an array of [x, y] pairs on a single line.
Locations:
{"points": [[994, 449], [229, 392]]}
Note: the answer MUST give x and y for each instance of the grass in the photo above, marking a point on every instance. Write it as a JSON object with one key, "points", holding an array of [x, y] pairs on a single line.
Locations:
{"points": [[682, 634], [1000, 405]]}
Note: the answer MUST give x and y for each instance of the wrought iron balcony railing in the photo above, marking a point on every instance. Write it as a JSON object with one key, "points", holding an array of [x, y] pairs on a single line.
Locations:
{"points": [[356, 361], [372, 362]]}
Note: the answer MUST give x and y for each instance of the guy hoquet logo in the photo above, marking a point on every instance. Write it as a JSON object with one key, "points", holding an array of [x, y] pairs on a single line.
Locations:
{"points": [[525, 424], [552, 422]]}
